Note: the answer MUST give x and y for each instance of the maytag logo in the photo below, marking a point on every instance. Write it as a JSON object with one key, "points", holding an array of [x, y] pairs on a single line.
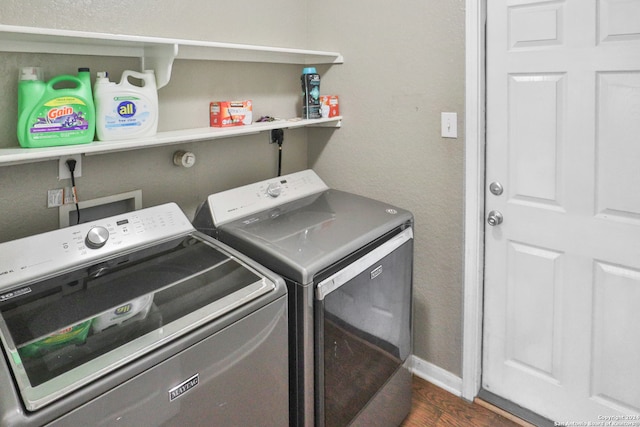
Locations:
{"points": [[183, 387], [376, 272], [13, 294]]}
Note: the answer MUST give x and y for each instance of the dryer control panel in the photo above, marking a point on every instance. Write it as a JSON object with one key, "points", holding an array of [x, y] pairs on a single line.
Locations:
{"points": [[237, 203], [53, 252]]}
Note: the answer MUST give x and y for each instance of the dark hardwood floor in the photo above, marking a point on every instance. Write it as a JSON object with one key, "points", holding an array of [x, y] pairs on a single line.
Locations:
{"points": [[433, 406]]}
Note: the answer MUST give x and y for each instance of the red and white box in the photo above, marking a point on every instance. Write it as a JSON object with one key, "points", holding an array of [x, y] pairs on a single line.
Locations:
{"points": [[230, 113], [329, 106]]}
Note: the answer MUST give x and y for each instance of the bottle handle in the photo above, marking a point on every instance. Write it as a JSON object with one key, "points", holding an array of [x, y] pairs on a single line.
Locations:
{"points": [[144, 77], [64, 78]]}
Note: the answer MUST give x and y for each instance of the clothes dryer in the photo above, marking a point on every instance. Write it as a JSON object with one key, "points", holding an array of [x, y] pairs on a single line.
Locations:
{"points": [[347, 261]]}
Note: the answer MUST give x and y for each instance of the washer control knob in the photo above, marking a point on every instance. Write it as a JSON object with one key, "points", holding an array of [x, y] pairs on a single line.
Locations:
{"points": [[274, 189], [97, 237]]}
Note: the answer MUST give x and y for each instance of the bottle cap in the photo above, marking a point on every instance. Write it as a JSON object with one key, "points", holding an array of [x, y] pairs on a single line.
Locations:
{"points": [[309, 70]]}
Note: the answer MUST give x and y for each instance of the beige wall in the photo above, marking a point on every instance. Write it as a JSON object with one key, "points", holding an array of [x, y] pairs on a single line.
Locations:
{"points": [[403, 66]]}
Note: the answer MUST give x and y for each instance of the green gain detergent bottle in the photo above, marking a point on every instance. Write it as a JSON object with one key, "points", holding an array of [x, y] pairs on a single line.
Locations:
{"points": [[58, 112]]}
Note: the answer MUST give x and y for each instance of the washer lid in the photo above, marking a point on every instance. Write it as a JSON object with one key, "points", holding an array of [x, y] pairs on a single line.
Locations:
{"points": [[300, 238]]}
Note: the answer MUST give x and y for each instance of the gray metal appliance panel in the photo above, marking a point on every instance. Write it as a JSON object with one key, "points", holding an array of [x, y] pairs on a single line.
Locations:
{"points": [[247, 355], [391, 404], [245, 350], [363, 331], [301, 238]]}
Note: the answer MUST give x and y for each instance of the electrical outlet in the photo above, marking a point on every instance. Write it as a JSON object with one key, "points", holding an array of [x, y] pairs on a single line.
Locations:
{"points": [[55, 198], [449, 125], [63, 169]]}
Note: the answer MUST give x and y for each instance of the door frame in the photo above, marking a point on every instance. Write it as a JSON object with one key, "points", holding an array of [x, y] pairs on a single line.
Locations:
{"points": [[475, 120]]}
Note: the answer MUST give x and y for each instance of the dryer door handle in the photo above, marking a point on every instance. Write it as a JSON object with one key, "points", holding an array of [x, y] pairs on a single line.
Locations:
{"points": [[343, 276]]}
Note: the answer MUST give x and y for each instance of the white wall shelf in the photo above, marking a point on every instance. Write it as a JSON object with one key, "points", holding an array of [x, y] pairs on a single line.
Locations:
{"points": [[155, 53], [13, 156]]}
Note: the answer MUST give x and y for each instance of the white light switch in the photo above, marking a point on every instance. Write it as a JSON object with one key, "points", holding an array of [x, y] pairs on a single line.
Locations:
{"points": [[449, 125]]}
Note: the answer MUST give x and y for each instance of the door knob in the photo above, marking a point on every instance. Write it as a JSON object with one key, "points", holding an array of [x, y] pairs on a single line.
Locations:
{"points": [[495, 218], [496, 188]]}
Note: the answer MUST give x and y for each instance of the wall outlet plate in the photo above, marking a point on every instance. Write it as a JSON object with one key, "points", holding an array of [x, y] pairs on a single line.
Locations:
{"points": [[63, 169], [55, 198]]}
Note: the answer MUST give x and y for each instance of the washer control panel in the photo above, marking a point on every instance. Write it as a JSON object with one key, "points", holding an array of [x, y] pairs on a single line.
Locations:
{"points": [[243, 201], [52, 252]]}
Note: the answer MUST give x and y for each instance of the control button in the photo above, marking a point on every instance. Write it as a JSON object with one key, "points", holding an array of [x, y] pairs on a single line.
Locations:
{"points": [[97, 237], [274, 189]]}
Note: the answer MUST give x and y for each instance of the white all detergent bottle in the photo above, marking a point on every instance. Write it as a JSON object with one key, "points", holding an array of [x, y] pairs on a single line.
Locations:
{"points": [[125, 110]]}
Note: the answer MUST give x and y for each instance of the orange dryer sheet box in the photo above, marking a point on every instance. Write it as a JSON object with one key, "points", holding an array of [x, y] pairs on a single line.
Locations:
{"points": [[230, 113], [329, 106]]}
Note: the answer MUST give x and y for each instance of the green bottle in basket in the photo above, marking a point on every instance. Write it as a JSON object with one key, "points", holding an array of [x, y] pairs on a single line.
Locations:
{"points": [[57, 112]]}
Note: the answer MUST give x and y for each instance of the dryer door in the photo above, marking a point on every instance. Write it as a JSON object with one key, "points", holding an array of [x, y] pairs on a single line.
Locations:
{"points": [[364, 328]]}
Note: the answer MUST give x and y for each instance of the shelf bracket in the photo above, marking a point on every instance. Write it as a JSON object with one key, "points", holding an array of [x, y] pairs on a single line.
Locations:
{"points": [[160, 58]]}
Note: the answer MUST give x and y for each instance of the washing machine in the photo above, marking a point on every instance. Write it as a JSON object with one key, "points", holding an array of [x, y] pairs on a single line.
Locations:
{"points": [[139, 320], [347, 261]]}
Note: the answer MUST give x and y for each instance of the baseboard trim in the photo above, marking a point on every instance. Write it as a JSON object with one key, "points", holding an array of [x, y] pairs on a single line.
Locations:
{"points": [[436, 375]]}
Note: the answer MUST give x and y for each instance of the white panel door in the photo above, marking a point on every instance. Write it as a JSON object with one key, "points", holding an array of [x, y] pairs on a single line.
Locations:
{"points": [[562, 273]]}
